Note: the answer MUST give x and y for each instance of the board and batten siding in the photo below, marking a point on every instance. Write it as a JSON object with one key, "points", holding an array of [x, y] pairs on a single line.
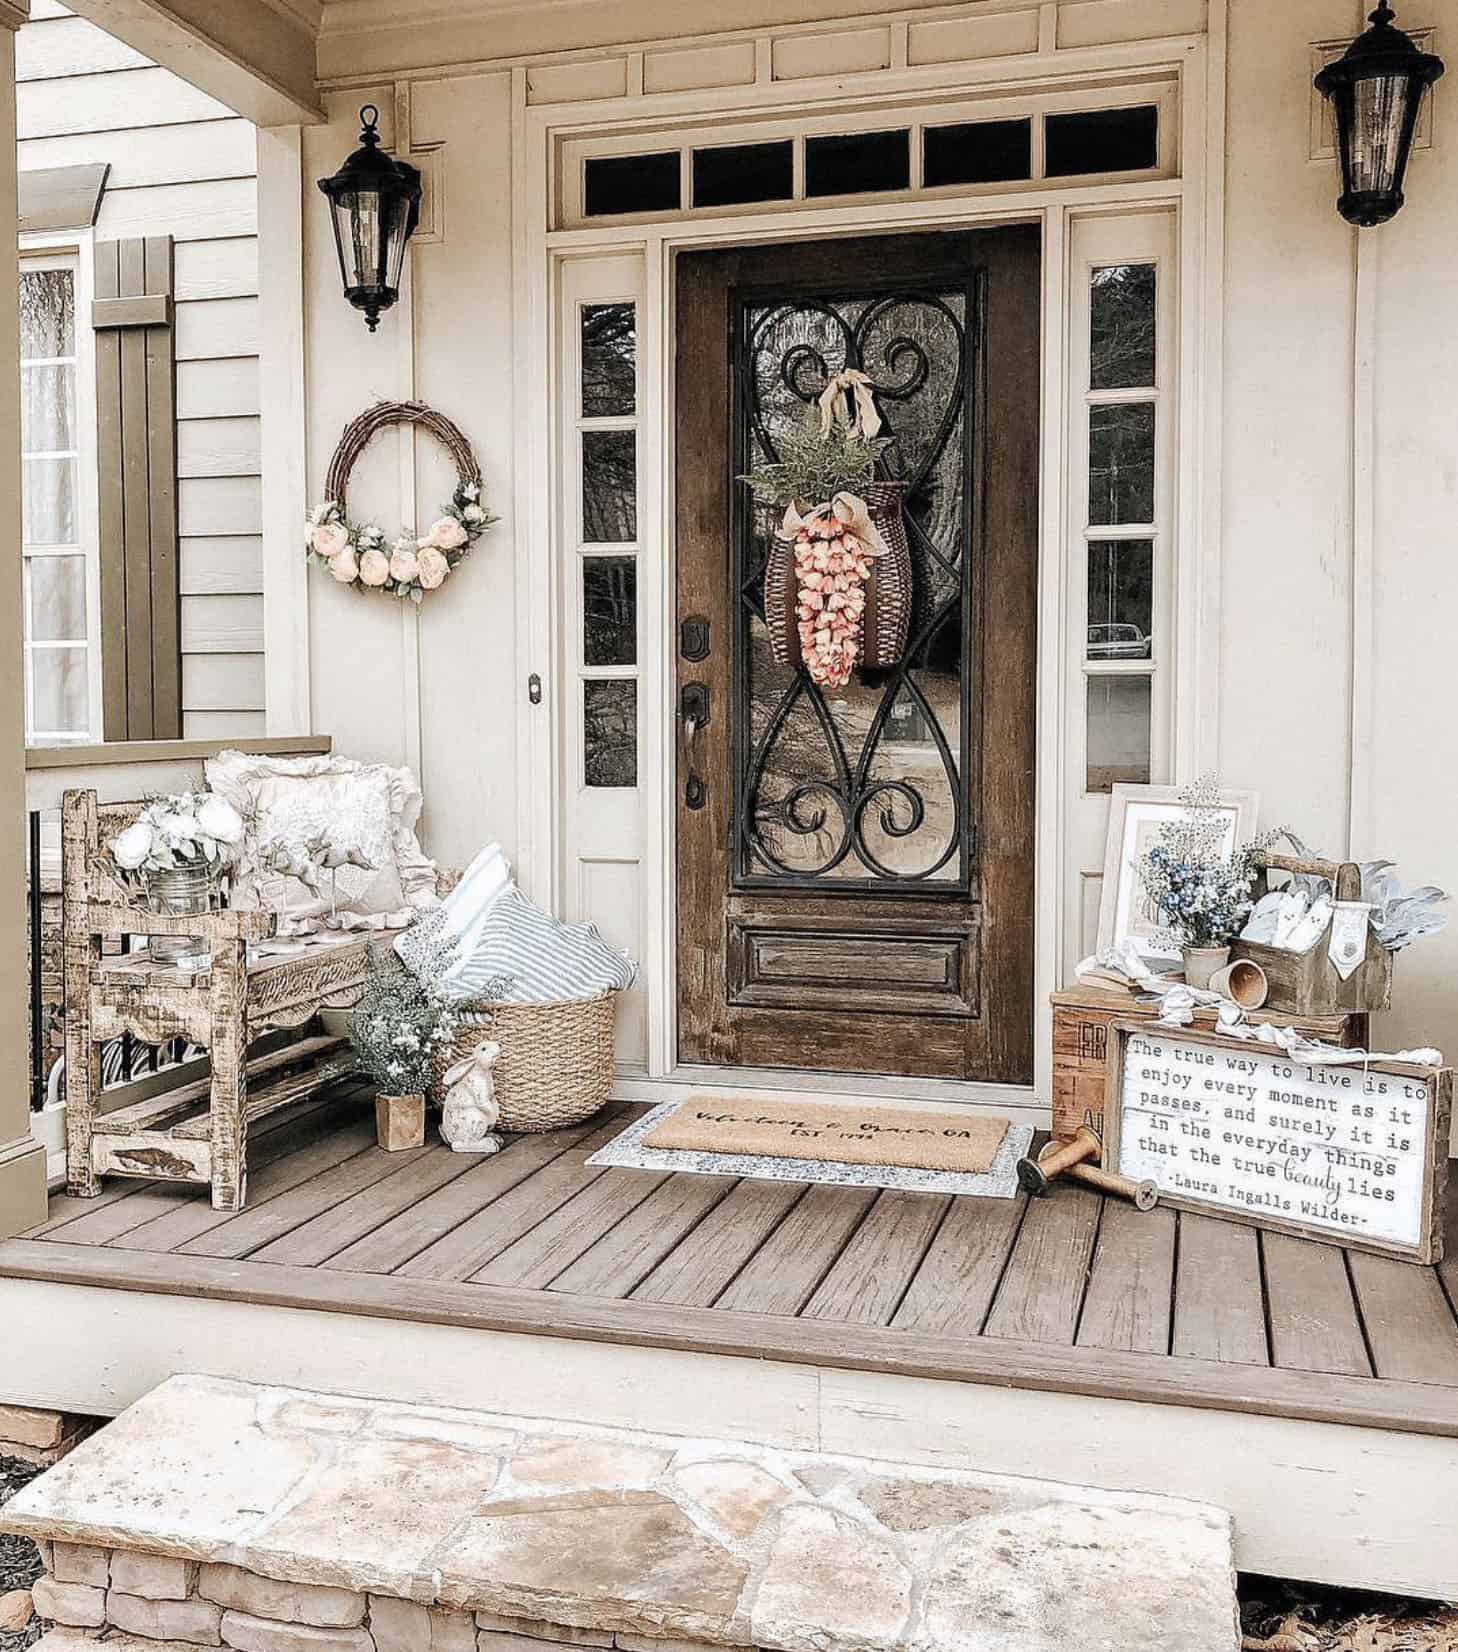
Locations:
{"points": [[181, 164]]}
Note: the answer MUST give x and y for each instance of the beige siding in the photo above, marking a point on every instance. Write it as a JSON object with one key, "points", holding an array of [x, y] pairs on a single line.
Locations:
{"points": [[181, 165]]}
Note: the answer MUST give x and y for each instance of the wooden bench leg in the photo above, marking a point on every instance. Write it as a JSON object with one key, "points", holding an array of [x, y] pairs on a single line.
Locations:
{"points": [[228, 1012], [81, 951], [83, 1086]]}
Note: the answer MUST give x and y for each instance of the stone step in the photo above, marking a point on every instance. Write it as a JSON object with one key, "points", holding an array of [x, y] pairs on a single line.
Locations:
{"points": [[218, 1513]]}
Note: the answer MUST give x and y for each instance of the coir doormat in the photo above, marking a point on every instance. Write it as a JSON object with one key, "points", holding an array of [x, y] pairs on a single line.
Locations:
{"points": [[911, 1138], [810, 1141]]}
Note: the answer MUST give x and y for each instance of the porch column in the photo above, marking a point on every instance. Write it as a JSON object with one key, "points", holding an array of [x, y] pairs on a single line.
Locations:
{"points": [[22, 1159]]}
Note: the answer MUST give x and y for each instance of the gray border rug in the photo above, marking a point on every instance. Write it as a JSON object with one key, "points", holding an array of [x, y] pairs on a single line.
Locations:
{"points": [[626, 1152]]}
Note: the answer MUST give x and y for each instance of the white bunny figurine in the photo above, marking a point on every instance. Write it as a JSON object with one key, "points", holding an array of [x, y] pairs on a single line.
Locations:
{"points": [[471, 1111]]}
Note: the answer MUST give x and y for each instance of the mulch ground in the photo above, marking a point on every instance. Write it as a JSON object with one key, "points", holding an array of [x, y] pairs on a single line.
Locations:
{"points": [[1277, 1616], [20, 1563]]}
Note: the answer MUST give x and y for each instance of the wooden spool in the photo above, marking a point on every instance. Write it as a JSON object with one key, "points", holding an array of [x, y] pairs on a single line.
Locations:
{"points": [[361, 431]]}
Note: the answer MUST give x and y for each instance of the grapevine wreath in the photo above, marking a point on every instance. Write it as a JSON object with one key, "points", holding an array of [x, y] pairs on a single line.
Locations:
{"points": [[358, 554]]}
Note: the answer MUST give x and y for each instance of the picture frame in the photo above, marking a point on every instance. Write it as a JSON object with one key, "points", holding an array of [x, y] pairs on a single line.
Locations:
{"points": [[1135, 815]]}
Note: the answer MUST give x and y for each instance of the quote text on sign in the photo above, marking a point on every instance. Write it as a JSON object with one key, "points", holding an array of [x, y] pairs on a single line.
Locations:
{"points": [[1340, 1148]]}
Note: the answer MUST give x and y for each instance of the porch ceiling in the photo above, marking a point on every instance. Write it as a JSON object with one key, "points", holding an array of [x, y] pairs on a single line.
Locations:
{"points": [[256, 56]]}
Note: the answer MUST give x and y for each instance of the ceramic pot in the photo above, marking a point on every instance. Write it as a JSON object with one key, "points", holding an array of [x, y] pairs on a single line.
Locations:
{"points": [[1201, 962], [181, 892], [400, 1122]]}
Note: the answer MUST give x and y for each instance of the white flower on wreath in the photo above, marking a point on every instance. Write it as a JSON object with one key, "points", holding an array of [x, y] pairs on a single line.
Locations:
{"points": [[374, 567], [473, 513], [344, 567], [404, 562], [432, 568], [447, 534], [330, 538]]}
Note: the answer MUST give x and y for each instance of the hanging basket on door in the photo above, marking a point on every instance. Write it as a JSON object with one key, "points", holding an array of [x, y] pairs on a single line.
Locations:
{"points": [[358, 554], [837, 581]]}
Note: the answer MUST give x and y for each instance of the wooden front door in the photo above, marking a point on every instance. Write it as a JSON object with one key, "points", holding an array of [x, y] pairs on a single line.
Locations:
{"points": [[855, 866]]}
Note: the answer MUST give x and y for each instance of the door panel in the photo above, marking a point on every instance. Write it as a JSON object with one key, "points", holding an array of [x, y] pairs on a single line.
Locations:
{"points": [[855, 865]]}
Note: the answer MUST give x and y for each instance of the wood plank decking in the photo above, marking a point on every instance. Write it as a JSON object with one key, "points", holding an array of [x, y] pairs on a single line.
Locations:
{"points": [[1069, 1293]]}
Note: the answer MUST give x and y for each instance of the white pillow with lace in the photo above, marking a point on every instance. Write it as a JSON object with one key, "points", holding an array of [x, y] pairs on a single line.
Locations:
{"points": [[303, 813]]}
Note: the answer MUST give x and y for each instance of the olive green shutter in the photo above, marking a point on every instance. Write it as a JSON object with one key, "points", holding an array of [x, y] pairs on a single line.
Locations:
{"points": [[136, 452]]}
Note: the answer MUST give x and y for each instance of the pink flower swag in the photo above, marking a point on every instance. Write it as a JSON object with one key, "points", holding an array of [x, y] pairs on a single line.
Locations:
{"points": [[831, 569]]}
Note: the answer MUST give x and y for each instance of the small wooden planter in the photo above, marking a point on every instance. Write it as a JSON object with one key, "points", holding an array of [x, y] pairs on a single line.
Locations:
{"points": [[400, 1122]]}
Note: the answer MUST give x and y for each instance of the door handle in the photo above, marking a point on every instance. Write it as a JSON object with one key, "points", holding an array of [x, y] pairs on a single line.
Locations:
{"points": [[693, 712]]}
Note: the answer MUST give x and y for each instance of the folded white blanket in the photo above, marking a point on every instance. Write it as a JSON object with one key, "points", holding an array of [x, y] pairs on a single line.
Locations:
{"points": [[444, 946], [487, 940]]}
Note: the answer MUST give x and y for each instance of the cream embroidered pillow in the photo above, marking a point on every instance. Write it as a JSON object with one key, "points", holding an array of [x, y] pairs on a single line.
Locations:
{"points": [[302, 810]]}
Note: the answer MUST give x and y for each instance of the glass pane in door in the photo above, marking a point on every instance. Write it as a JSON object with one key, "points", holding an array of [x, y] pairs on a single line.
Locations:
{"points": [[861, 786]]}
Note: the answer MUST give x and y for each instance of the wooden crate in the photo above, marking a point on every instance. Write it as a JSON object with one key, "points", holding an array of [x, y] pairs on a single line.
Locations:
{"points": [[1081, 1020]]}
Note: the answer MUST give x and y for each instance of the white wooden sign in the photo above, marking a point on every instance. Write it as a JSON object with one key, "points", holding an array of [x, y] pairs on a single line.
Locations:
{"points": [[1345, 1152]]}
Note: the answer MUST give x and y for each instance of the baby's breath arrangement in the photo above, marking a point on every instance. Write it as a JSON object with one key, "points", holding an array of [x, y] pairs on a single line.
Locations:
{"points": [[398, 1025], [1201, 895], [816, 464]]}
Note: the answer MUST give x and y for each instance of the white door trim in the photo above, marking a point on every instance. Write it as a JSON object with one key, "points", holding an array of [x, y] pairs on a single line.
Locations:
{"points": [[538, 255]]}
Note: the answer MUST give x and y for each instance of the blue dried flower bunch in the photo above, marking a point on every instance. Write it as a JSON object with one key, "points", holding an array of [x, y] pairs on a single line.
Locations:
{"points": [[1197, 888]]}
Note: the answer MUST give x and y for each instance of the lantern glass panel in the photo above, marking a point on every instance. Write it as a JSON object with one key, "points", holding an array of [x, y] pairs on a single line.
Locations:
{"points": [[1379, 115]]}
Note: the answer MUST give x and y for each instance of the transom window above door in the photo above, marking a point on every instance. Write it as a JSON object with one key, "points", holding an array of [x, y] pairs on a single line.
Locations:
{"points": [[986, 144]]}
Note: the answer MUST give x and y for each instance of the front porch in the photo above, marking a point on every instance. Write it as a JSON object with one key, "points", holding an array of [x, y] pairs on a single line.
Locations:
{"points": [[1311, 1391]]}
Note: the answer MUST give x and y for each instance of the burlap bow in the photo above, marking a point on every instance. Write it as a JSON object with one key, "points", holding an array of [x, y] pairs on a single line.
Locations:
{"points": [[855, 382], [848, 510]]}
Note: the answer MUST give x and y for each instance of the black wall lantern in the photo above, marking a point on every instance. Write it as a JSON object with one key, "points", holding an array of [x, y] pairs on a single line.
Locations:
{"points": [[375, 203], [1376, 89]]}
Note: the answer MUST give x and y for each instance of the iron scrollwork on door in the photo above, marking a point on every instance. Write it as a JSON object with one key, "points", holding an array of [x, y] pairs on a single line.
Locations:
{"points": [[861, 788]]}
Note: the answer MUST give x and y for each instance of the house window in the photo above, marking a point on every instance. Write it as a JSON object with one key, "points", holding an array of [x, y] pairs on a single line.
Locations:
{"points": [[1122, 381], [605, 591], [57, 571], [952, 143]]}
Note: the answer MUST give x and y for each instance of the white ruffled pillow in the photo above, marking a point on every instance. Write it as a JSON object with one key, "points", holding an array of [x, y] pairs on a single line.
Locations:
{"points": [[371, 808]]}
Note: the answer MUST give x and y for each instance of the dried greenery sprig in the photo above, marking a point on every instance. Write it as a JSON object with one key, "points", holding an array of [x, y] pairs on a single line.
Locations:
{"points": [[814, 465]]}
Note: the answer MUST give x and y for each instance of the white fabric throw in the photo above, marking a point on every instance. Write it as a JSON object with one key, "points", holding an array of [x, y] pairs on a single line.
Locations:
{"points": [[488, 941], [445, 947]]}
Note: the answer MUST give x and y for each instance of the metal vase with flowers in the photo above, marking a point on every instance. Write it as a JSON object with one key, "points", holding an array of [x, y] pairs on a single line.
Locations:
{"points": [[177, 850], [187, 891]]}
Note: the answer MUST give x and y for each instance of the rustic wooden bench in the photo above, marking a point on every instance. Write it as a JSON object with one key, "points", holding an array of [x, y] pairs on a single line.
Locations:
{"points": [[198, 1131]]}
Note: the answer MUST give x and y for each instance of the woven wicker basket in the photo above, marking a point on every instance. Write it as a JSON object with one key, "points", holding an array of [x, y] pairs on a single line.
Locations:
{"points": [[556, 1061]]}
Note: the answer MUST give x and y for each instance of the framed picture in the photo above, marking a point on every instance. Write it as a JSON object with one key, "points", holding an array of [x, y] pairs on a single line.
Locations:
{"points": [[1135, 815]]}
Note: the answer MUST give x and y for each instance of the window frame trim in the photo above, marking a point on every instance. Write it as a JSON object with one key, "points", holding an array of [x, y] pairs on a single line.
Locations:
{"points": [[39, 250]]}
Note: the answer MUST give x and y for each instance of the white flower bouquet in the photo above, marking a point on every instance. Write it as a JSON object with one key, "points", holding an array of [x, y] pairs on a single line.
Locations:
{"points": [[398, 1025], [190, 830]]}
